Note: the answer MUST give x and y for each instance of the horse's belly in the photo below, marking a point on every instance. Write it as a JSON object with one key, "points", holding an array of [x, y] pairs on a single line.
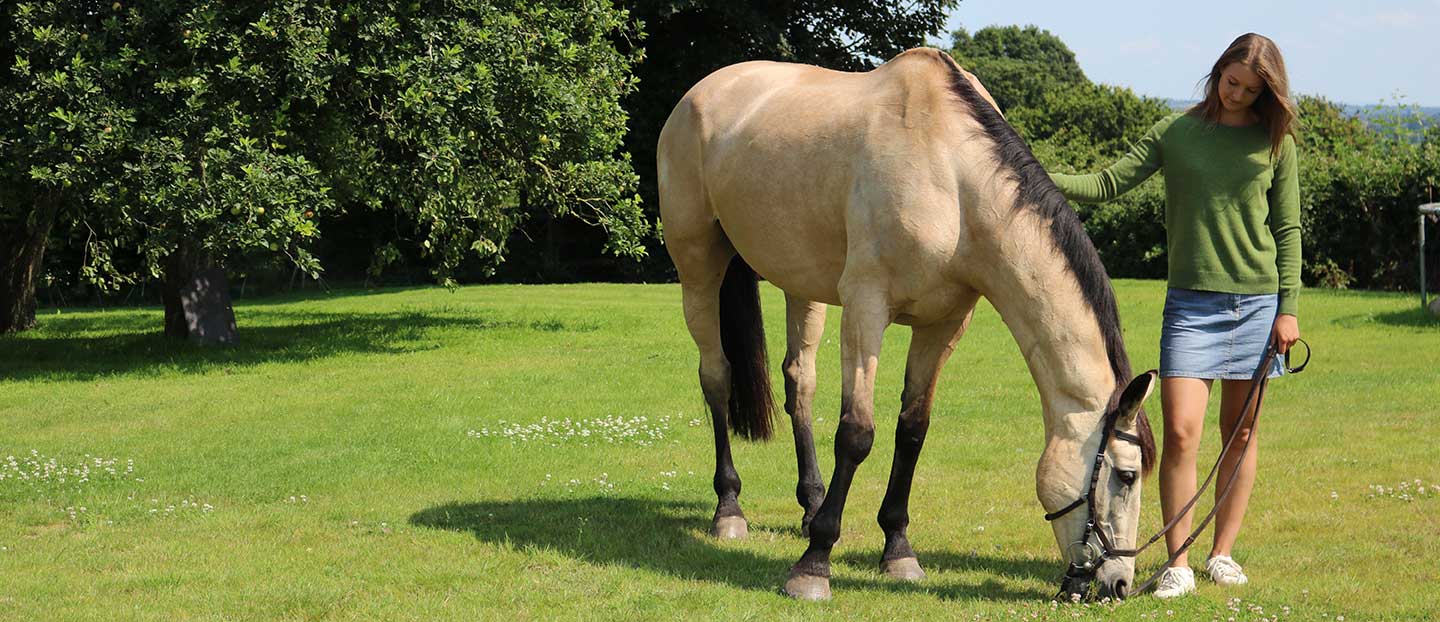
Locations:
{"points": [[800, 255]]}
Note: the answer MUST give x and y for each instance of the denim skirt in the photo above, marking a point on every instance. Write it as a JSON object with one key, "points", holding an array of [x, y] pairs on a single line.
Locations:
{"points": [[1213, 335]]}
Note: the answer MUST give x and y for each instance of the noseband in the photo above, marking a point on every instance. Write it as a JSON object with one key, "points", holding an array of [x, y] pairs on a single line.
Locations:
{"points": [[1086, 558]]}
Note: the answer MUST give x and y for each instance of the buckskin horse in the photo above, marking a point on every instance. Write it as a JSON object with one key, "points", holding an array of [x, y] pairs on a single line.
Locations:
{"points": [[902, 195]]}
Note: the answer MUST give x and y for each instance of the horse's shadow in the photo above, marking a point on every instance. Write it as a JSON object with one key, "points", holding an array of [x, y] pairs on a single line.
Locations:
{"points": [[670, 538]]}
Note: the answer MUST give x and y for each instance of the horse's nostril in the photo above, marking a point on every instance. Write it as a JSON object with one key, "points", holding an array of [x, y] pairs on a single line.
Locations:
{"points": [[1121, 589]]}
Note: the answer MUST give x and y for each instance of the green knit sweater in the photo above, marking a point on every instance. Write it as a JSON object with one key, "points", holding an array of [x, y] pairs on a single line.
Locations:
{"points": [[1232, 212]]}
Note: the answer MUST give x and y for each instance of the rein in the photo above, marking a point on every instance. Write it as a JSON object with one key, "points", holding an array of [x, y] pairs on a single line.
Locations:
{"points": [[1085, 571]]}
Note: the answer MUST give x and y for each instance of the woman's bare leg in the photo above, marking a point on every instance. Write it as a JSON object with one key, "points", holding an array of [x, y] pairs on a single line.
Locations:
{"points": [[1183, 401], [1232, 511]]}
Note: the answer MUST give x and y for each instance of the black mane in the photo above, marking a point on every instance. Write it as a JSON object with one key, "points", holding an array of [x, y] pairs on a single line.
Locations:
{"points": [[1037, 192]]}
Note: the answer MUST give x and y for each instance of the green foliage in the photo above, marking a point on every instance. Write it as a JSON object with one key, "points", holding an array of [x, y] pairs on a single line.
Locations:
{"points": [[1017, 65], [466, 119], [184, 134], [166, 126], [61, 129], [1360, 185], [1107, 118]]}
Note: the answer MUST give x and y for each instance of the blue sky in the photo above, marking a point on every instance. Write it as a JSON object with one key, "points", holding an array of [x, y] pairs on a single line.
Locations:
{"points": [[1354, 52]]}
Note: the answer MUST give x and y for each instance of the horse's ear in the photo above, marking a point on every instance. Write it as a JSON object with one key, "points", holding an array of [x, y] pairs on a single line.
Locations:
{"points": [[1134, 396]]}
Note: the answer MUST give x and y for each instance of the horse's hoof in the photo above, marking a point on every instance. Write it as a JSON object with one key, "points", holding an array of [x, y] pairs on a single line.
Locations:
{"points": [[729, 528], [903, 569], [807, 587]]}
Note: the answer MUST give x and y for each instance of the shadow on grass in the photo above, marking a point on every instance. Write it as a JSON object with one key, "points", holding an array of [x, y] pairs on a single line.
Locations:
{"points": [[1412, 318], [1417, 318], [670, 538], [130, 342]]}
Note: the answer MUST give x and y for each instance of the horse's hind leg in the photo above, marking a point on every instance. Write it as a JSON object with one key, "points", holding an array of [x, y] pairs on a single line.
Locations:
{"points": [[702, 261], [722, 310], [930, 346], [804, 324]]}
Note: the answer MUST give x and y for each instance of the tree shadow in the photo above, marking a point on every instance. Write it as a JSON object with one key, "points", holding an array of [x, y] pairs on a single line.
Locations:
{"points": [[671, 538], [1414, 318], [129, 342]]}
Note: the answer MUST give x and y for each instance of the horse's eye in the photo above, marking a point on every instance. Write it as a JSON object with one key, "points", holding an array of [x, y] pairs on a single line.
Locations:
{"points": [[1128, 477]]}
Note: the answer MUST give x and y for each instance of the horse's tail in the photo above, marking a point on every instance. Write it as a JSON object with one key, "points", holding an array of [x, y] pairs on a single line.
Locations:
{"points": [[742, 336]]}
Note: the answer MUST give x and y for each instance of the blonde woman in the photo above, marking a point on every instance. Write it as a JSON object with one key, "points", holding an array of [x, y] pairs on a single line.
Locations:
{"points": [[1232, 218]]}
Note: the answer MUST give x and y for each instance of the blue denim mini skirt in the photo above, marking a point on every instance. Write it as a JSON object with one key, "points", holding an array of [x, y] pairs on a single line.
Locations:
{"points": [[1213, 335]]}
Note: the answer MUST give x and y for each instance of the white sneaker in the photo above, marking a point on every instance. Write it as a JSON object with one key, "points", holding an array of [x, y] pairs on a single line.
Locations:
{"points": [[1225, 571], [1175, 581]]}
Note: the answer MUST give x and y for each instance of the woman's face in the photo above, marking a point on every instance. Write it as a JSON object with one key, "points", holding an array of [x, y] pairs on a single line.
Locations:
{"points": [[1239, 87]]}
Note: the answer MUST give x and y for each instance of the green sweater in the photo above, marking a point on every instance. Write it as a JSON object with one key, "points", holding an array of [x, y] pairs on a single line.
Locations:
{"points": [[1232, 214]]}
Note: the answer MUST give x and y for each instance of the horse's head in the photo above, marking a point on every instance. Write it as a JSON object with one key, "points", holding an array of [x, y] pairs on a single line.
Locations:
{"points": [[1092, 494]]}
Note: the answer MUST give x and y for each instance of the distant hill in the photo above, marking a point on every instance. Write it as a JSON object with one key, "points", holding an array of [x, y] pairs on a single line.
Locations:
{"points": [[1428, 115], [1364, 112]]}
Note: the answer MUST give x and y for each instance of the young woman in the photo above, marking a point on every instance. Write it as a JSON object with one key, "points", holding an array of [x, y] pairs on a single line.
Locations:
{"points": [[1232, 219]]}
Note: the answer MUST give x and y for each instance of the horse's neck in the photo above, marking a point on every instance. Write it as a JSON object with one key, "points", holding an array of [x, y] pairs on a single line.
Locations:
{"points": [[1041, 300]]}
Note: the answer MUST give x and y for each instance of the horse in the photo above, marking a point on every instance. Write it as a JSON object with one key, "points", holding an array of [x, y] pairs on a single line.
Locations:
{"points": [[902, 195]]}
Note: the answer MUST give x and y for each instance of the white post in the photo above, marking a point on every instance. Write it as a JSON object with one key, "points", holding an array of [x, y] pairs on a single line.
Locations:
{"points": [[1432, 210]]}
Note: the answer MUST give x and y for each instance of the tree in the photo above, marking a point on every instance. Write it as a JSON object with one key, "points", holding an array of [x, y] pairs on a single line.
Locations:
{"points": [[160, 129], [1017, 65], [188, 137], [61, 136], [469, 119], [1360, 182]]}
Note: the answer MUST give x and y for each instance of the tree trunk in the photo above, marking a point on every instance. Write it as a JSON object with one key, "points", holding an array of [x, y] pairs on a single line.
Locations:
{"points": [[22, 254], [197, 298]]}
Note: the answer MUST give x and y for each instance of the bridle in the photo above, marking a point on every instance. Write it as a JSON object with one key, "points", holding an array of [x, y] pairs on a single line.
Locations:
{"points": [[1086, 557]]}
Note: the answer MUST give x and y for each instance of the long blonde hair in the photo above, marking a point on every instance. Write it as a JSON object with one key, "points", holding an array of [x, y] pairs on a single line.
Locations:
{"points": [[1273, 105]]}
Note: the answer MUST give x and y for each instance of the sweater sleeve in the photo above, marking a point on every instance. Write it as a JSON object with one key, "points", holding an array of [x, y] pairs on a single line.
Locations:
{"points": [[1135, 167], [1284, 197]]}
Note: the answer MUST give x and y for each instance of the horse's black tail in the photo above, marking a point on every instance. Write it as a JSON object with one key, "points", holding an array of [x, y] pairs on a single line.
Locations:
{"points": [[742, 335]]}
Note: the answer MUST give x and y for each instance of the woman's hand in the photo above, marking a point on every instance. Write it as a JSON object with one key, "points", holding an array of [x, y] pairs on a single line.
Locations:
{"points": [[1286, 331]]}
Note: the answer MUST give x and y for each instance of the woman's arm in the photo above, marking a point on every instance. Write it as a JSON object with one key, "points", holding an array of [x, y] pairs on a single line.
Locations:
{"points": [[1284, 197], [1138, 165]]}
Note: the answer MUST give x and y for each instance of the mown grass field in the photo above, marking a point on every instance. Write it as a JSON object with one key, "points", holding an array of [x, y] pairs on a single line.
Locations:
{"points": [[421, 454]]}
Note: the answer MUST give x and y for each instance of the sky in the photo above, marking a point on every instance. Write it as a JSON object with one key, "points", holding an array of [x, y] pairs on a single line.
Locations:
{"points": [[1355, 52]]}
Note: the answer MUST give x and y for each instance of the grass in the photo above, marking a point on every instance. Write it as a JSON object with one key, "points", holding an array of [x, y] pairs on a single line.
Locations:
{"points": [[422, 454]]}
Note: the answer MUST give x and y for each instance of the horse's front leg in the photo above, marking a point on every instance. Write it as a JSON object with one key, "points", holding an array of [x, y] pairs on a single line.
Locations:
{"points": [[930, 346], [804, 325], [862, 331]]}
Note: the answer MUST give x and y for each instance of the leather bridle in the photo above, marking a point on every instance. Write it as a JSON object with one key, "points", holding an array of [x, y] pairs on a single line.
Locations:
{"points": [[1085, 556], [1083, 567]]}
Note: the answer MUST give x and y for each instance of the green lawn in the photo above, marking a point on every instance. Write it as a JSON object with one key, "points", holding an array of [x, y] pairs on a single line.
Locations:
{"points": [[421, 454]]}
